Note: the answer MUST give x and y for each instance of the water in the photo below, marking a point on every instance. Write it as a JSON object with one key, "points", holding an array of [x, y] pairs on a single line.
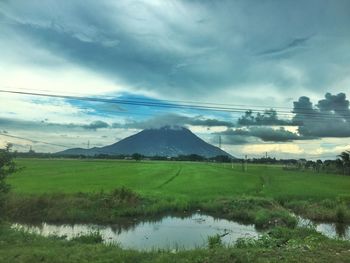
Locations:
{"points": [[332, 230], [168, 233], [172, 232]]}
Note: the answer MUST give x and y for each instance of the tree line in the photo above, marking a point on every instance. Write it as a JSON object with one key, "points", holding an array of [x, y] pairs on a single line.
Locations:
{"points": [[340, 165]]}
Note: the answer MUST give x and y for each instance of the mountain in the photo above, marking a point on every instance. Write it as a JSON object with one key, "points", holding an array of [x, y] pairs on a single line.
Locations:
{"points": [[166, 141]]}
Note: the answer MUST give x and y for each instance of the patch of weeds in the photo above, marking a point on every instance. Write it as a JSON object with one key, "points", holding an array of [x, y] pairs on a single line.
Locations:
{"points": [[327, 203], [271, 218], [344, 198], [91, 238], [119, 196], [305, 238], [214, 241], [326, 210]]}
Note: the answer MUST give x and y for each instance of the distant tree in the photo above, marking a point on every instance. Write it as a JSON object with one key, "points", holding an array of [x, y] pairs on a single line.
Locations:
{"points": [[136, 156], [319, 165], [309, 165], [7, 166], [222, 159], [345, 160], [191, 158]]}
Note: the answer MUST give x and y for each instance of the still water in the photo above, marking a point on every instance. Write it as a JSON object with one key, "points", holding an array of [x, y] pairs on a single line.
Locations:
{"points": [[168, 233], [172, 232], [332, 230]]}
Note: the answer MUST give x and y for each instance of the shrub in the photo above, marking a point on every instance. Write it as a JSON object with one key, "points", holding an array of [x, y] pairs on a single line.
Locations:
{"points": [[7, 166], [341, 214]]}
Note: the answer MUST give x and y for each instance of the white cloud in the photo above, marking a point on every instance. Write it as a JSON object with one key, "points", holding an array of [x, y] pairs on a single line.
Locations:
{"points": [[68, 80]]}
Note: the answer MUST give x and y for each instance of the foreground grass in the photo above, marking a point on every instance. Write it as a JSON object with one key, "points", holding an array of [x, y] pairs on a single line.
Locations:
{"points": [[109, 191], [280, 245], [122, 204]]}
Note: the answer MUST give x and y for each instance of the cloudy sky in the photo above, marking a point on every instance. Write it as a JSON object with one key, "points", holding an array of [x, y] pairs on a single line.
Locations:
{"points": [[136, 63]]}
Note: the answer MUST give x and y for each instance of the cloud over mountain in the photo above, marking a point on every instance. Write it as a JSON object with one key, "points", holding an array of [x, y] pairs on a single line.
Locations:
{"points": [[174, 119]]}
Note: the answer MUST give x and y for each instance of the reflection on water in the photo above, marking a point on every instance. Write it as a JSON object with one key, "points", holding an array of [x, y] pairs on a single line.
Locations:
{"points": [[172, 232], [167, 233], [332, 230]]}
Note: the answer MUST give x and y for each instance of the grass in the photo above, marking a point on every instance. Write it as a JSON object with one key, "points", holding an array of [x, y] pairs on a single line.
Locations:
{"points": [[106, 191], [84, 190], [91, 238], [280, 245], [186, 180], [112, 206], [214, 241]]}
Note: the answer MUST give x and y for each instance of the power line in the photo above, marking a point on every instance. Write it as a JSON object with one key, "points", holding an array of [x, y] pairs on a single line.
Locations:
{"points": [[169, 105], [130, 102], [265, 107], [33, 141], [156, 104]]}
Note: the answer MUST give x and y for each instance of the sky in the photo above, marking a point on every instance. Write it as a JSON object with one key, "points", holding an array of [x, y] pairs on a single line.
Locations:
{"points": [[227, 57]]}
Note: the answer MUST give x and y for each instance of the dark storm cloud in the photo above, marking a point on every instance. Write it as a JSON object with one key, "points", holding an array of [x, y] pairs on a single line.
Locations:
{"points": [[267, 118], [173, 119], [263, 133], [329, 118], [155, 122], [96, 125], [189, 48], [274, 135]]}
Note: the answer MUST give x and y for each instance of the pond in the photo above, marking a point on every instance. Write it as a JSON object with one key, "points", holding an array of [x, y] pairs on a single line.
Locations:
{"points": [[172, 232], [168, 233], [332, 230]]}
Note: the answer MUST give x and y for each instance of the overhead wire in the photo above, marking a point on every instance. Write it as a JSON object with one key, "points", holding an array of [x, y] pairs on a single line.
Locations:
{"points": [[265, 107], [33, 141], [169, 105]]}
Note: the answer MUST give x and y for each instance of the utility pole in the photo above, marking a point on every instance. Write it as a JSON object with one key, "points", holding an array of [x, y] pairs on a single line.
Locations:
{"points": [[88, 144], [245, 163], [266, 155]]}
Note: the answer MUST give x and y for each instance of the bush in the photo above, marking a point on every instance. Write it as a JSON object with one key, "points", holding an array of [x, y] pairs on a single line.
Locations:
{"points": [[341, 214], [119, 196], [7, 166]]}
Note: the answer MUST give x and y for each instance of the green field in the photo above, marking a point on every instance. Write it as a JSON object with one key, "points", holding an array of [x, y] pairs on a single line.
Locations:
{"points": [[195, 181], [105, 191]]}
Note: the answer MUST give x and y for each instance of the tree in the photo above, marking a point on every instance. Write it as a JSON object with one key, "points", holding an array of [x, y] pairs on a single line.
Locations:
{"points": [[136, 156], [345, 159], [7, 166]]}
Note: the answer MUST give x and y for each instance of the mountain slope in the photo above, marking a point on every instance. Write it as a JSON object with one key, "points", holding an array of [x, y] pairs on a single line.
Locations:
{"points": [[165, 141]]}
